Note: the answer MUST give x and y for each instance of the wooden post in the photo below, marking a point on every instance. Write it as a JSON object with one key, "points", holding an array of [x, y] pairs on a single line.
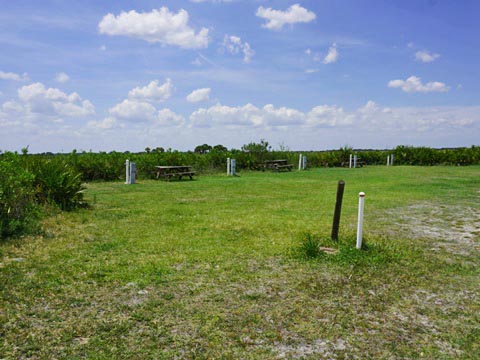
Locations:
{"points": [[338, 210]]}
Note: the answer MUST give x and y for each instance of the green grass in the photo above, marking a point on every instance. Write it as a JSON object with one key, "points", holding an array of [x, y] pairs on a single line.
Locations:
{"points": [[213, 268]]}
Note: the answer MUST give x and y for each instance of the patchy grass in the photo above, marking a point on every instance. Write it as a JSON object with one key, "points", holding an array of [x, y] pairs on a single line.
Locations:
{"points": [[210, 269]]}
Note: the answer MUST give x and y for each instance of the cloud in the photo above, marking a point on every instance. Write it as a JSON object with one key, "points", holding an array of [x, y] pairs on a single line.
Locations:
{"points": [[234, 45], [425, 56], [328, 116], [157, 26], [135, 111], [62, 77], [414, 84], [153, 91], [332, 55], [37, 99], [199, 95], [277, 19], [13, 76], [246, 116]]}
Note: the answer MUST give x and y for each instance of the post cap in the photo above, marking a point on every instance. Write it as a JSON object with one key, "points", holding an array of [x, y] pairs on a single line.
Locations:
{"points": [[361, 194]]}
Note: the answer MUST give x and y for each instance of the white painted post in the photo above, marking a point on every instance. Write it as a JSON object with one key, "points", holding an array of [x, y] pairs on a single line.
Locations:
{"points": [[233, 167], [350, 162], [228, 166], [355, 158], [127, 172], [391, 160], [304, 162], [361, 202], [388, 160], [300, 162], [133, 172]]}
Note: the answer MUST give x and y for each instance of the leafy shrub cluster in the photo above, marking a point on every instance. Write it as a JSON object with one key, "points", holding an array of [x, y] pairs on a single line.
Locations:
{"points": [[111, 166], [18, 208], [27, 183]]}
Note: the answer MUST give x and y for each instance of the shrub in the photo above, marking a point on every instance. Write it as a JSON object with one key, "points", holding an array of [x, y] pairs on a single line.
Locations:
{"points": [[18, 210], [58, 182]]}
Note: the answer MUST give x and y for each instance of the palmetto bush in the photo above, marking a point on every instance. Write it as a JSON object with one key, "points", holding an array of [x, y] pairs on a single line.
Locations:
{"points": [[18, 209], [56, 181]]}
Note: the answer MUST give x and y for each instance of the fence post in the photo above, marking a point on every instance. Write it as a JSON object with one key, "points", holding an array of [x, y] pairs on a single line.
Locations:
{"points": [[133, 172], [338, 210], [127, 172], [361, 202]]}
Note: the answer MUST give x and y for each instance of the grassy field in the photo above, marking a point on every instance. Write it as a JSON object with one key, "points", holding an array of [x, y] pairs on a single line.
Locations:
{"points": [[213, 269]]}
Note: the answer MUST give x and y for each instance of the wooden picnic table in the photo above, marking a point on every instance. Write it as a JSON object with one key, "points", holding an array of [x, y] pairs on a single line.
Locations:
{"points": [[277, 165], [167, 172]]}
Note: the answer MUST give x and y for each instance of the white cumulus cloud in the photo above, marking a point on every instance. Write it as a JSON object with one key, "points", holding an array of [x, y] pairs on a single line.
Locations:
{"points": [[13, 76], [414, 84], [332, 55], [199, 95], [159, 25], [153, 91], [62, 77], [36, 98], [425, 56], [234, 45], [277, 19]]}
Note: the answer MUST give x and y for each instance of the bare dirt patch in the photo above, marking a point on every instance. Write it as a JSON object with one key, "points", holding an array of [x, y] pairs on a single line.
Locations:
{"points": [[455, 229]]}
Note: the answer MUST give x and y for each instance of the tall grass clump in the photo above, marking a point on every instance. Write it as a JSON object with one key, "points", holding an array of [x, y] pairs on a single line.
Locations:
{"points": [[18, 208]]}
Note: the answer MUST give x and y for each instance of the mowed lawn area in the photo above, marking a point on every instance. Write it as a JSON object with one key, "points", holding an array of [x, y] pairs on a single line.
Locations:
{"points": [[214, 269]]}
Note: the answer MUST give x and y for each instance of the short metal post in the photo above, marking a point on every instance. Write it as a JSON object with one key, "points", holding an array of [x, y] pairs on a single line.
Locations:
{"points": [[388, 160], [233, 165], [300, 162], [133, 172], [127, 172], [228, 166], [338, 210], [361, 202], [355, 158], [391, 160], [350, 162], [304, 162]]}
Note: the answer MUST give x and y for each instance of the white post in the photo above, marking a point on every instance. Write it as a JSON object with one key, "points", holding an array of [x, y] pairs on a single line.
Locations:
{"points": [[350, 162], [133, 172], [361, 202], [355, 161], [304, 162], [127, 172], [391, 160], [300, 159], [233, 166], [228, 166], [388, 160]]}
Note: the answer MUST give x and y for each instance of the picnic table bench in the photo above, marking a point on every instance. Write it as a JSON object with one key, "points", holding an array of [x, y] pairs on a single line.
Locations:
{"points": [[277, 165], [167, 172]]}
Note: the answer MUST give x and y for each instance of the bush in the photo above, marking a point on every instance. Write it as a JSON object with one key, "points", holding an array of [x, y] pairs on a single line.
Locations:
{"points": [[58, 182], [18, 210]]}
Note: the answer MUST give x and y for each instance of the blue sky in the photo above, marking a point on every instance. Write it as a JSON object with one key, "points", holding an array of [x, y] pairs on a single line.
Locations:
{"points": [[309, 75]]}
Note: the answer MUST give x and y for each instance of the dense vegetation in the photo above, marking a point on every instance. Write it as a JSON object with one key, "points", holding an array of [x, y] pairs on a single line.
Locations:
{"points": [[111, 166], [28, 184]]}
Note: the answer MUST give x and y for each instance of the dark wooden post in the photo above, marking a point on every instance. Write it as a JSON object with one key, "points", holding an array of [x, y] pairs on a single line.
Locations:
{"points": [[338, 210]]}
